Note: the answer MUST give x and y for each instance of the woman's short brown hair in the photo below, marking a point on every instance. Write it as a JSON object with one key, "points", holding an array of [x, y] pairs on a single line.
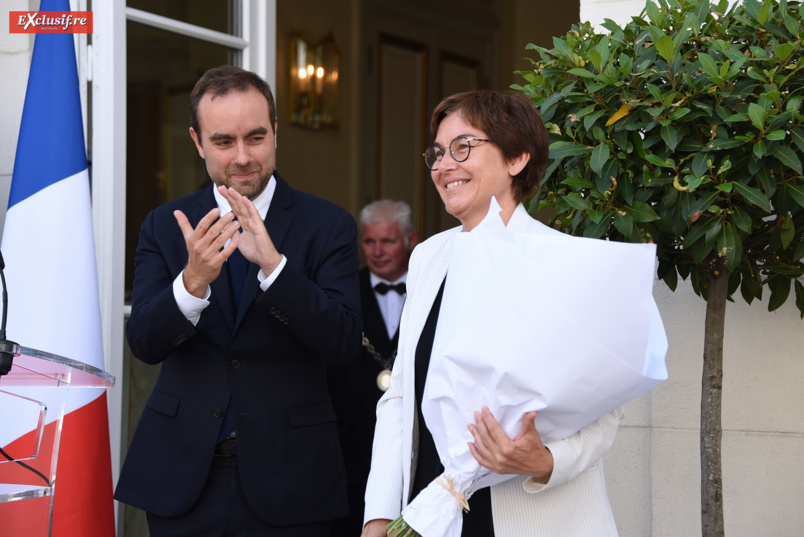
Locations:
{"points": [[510, 122]]}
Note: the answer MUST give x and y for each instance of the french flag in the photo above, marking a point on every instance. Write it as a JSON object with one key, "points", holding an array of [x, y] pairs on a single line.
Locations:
{"points": [[53, 305]]}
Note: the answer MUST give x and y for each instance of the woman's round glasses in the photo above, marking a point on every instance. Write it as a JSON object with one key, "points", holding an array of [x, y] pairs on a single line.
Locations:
{"points": [[459, 149]]}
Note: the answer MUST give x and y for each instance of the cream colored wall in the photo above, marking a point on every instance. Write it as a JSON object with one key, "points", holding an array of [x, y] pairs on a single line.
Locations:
{"points": [[653, 469], [322, 162]]}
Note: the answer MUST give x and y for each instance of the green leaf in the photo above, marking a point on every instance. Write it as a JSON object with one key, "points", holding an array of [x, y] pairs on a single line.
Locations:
{"points": [[778, 134], [726, 187], [600, 155], [742, 220], [597, 60], [657, 161], [664, 46], [596, 216], [623, 222], [750, 289], [799, 297], [602, 49], [670, 277], [597, 230], [798, 138], [780, 290], [566, 149], [708, 65], [767, 181], [729, 246], [759, 149], [724, 143], [784, 51], [700, 163], [754, 196], [670, 137], [787, 232], [762, 15], [562, 49], [700, 230], [589, 121], [799, 254], [678, 114], [788, 157], [704, 202], [796, 191], [757, 115], [653, 13], [577, 202], [578, 182], [642, 212], [582, 72]]}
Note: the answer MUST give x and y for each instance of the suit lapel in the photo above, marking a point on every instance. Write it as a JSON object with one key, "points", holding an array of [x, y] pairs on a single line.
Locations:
{"points": [[277, 222], [221, 294]]}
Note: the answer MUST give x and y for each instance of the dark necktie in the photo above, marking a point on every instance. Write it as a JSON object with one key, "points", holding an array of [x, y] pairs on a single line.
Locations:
{"points": [[238, 268], [383, 288]]}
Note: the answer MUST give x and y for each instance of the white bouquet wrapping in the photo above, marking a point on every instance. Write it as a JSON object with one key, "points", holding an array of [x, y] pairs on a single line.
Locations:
{"points": [[563, 325]]}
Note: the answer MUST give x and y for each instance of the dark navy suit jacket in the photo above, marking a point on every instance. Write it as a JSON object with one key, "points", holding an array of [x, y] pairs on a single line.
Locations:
{"points": [[271, 358]]}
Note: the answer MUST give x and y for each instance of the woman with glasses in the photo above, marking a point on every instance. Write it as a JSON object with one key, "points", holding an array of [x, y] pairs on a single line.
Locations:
{"points": [[486, 144]]}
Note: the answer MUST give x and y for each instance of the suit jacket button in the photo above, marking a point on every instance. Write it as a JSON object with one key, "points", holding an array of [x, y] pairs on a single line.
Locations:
{"points": [[217, 413], [235, 364], [272, 310]]}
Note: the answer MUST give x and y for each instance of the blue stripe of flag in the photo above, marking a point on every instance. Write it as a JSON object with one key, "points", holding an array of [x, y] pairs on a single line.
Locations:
{"points": [[51, 141]]}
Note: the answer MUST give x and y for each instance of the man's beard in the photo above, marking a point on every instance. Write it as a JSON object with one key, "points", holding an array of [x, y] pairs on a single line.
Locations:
{"points": [[248, 190]]}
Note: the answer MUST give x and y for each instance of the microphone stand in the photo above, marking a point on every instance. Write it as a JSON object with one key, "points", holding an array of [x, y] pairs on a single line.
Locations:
{"points": [[8, 349]]}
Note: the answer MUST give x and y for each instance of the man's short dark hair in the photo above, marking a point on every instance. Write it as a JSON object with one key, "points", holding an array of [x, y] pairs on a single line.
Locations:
{"points": [[222, 80]]}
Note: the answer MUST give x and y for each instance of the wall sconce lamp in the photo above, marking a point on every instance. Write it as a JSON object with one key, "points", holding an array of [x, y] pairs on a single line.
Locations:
{"points": [[313, 82]]}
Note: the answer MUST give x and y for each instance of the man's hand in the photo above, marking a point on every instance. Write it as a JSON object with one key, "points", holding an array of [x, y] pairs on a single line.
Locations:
{"points": [[376, 528], [523, 455], [255, 243], [205, 251]]}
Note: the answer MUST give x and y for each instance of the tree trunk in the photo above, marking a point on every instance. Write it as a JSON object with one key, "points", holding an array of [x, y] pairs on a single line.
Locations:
{"points": [[711, 395]]}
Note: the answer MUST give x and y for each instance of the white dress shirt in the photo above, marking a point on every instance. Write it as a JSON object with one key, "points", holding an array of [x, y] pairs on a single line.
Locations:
{"points": [[390, 303]]}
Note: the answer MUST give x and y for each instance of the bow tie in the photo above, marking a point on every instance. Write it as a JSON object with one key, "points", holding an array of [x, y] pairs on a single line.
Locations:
{"points": [[383, 288]]}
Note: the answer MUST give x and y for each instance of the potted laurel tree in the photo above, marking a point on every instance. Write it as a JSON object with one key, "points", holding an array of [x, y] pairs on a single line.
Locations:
{"points": [[685, 128]]}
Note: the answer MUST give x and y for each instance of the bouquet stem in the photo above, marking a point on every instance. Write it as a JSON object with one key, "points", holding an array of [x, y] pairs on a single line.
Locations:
{"points": [[400, 528]]}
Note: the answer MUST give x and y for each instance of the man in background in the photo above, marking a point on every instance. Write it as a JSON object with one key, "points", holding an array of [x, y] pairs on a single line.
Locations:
{"points": [[244, 292], [387, 240]]}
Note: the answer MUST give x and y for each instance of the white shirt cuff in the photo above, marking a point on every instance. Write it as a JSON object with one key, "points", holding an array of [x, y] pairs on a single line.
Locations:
{"points": [[266, 281], [190, 306]]}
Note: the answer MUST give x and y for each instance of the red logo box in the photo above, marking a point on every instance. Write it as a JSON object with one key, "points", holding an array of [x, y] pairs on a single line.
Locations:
{"points": [[50, 22]]}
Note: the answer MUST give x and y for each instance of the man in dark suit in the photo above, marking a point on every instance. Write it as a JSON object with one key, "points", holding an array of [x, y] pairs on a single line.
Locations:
{"points": [[244, 292], [387, 239]]}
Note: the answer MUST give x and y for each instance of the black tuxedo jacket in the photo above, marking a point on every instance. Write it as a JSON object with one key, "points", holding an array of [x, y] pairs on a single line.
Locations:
{"points": [[355, 395], [271, 358]]}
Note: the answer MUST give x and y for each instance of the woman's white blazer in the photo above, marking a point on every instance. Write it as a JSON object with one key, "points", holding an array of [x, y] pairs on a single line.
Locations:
{"points": [[573, 503]]}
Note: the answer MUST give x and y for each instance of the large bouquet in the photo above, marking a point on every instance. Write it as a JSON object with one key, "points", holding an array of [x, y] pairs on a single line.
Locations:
{"points": [[559, 324]]}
